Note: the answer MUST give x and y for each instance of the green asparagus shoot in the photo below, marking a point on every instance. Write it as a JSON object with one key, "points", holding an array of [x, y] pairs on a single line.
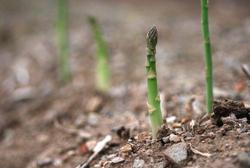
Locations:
{"points": [[208, 56], [63, 40], [152, 88], [102, 67]]}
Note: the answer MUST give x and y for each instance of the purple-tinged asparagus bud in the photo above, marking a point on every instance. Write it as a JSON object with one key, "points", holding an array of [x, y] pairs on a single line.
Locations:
{"points": [[152, 37]]}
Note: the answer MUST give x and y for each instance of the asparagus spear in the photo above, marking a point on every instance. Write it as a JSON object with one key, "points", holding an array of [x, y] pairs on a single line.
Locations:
{"points": [[153, 95], [102, 68], [63, 40], [208, 56]]}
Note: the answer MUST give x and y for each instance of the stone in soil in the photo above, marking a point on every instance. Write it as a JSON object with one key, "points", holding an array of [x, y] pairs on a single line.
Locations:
{"points": [[177, 152], [93, 119], [244, 159], [174, 138], [117, 160], [138, 163], [126, 148]]}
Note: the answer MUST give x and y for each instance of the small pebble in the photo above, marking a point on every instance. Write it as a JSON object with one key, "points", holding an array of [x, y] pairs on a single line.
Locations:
{"points": [[93, 119], [171, 119], [177, 152], [138, 163], [126, 148], [244, 159], [57, 162], [174, 138], [111, 156], [117, 160], [166, 139], [44, 162]]}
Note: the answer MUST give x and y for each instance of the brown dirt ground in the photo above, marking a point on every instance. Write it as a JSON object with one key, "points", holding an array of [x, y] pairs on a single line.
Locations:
{"points": [[42, 120]]}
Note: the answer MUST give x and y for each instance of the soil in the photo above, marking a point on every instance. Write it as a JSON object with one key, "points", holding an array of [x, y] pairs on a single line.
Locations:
{"points": [[46, 124]]}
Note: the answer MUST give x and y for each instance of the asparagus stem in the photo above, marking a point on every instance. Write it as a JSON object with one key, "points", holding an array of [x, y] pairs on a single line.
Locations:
{"points": [[153, 95], [208, 56], [102, 68], [63, 40]]}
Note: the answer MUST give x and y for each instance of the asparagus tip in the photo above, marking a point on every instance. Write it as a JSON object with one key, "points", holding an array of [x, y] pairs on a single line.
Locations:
{"points": [[152, 37]]}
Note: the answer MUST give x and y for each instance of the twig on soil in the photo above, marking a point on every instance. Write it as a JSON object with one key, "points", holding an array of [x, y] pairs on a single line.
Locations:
{"points": [[246, 71], [98, 148], [195, 151]]}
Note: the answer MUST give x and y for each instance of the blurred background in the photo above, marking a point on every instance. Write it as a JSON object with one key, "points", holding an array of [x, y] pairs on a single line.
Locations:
{"points": [[30, 25], [31, 96]]}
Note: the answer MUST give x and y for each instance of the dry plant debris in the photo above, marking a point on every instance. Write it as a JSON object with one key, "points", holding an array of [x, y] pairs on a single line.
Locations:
{"points": [[225, 108]]}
